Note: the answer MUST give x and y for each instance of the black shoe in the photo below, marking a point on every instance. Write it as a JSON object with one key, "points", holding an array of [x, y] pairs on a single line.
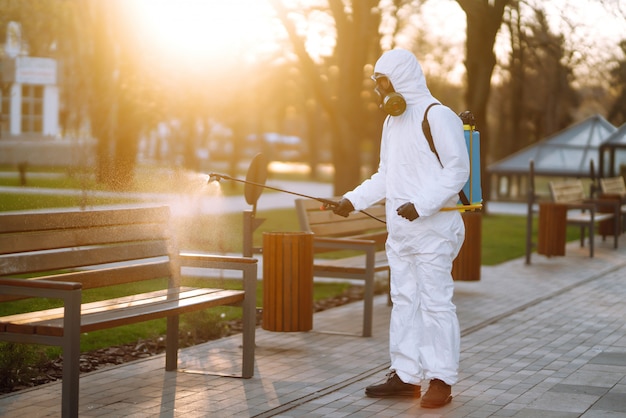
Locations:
{"points": [[393, 387], [437, 395]]}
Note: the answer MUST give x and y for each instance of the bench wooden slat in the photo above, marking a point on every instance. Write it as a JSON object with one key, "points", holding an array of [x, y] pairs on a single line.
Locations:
{"points": [[568, 192], [167, 307], [351, 265], [25, 222], [52, 239], [34, 262], [40, 284], [93, 307], [613, 186], [339, 229], [326, 223], [114, 276], [124, 311], [317, 216], [191, 259], [582, 217]]}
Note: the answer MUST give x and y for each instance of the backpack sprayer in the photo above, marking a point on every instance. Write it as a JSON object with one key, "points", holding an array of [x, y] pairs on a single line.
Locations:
{"points": [[470, 196]]}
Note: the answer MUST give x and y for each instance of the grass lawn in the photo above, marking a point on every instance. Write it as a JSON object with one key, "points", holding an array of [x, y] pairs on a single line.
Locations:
{"points": [[10, 201]]}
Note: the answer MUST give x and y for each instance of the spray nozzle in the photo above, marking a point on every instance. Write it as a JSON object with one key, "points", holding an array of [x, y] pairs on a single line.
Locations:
{"points": [[215, 177]]}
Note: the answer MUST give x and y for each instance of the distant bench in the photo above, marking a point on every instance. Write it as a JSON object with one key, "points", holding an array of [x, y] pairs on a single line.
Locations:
{"points": [[614, 187], [64, 253], [584, 212], [358, 232]]}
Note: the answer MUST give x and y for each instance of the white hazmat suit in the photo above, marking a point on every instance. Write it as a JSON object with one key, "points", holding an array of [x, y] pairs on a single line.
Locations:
{"points": [[424, 333]]}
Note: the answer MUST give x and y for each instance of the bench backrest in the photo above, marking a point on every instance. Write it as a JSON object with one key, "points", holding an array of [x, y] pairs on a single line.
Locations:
{"points": [[324, 223], [96, 248], [567, 191], [613, 185]]}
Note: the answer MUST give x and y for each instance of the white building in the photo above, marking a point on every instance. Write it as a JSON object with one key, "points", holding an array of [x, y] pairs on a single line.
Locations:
{"points": [[29, 110], [30, 97]]}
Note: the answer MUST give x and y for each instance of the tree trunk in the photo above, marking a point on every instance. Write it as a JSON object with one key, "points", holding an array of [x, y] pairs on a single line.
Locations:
{"points": [[101, 106], [128, 128]]}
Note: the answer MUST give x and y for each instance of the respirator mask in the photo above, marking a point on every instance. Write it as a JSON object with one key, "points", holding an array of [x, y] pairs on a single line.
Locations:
{"points": [[391, 102]]}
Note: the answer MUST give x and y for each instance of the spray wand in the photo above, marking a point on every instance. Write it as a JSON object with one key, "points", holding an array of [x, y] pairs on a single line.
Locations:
{"points": [[217, 177], [326, 203]]}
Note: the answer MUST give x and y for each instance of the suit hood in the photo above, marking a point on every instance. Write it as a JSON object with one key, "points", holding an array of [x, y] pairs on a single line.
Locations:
{"points": [[405, 73]]}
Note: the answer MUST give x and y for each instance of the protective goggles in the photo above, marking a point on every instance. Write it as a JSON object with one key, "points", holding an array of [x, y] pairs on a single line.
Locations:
{"points": [[379, 87]]}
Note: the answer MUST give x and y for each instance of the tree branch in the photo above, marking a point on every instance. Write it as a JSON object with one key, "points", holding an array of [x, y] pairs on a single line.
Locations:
{"points": [[308, 65]]}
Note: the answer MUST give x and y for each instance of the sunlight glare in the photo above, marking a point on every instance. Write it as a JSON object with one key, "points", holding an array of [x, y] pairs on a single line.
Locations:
{"points": [[196, 195], [204, 30]]}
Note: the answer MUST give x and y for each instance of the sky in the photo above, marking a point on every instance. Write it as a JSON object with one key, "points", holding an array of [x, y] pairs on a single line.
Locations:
{"points": [[198, 30]]}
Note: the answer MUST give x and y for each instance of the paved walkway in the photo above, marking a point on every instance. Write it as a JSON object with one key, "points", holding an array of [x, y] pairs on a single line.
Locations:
{"points": [[540, 340]]}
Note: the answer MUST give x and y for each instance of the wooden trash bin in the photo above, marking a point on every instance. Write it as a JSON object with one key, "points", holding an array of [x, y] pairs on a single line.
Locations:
{"points": [[552, 229], [467, 264], [607, 228], [287, 281]]}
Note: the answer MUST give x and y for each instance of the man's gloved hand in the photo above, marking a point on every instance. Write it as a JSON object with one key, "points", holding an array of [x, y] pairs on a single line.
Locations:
{"points": [[343, 208], [408, 211]]}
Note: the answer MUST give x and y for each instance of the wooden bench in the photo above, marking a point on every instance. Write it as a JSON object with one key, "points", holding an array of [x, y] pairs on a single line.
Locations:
{"points": [[615, 188], [358, 232], [64, 253], [583, 212]]}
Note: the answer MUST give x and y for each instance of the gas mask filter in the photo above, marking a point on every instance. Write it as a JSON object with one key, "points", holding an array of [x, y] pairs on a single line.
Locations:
{"points": [[392, 102]]}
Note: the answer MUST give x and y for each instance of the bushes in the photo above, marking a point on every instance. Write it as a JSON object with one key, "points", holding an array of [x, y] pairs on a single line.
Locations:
{"points": [[19, 365], [202, 326]]}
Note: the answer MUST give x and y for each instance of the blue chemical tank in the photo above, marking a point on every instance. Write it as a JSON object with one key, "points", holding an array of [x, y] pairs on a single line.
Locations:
{"points": [[472, 188]]}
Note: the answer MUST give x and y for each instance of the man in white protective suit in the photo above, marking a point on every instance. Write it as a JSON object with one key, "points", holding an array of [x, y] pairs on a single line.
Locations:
{"points": [[423, 239]]}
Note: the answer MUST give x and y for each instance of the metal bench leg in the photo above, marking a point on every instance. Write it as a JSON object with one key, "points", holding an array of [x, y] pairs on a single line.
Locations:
{"points": [[368, 296], [171, 344], [368, 306], [249, 321], [582, 236], [592, 233], [616, 226], [71, 355]]}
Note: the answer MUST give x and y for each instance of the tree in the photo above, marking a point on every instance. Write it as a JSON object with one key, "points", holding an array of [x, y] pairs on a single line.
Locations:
{"points": [[359, 21], [553, 105], [338, 81], [537, 98], [118, 94], [617, 114]]}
